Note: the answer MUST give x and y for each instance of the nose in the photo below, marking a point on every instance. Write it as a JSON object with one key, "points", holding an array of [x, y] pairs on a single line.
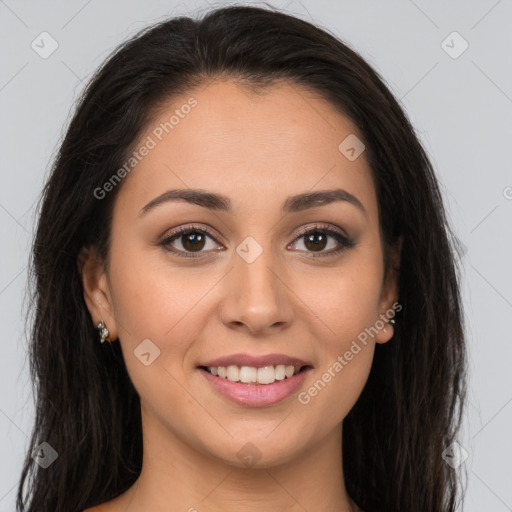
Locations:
{"points": [[257, 299]]}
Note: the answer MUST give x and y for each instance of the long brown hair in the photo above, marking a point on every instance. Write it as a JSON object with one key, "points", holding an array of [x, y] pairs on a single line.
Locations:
{"points": [[86, 406]]}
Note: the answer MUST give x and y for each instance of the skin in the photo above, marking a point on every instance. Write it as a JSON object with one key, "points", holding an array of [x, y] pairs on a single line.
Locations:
{"points": [[285, 142]]}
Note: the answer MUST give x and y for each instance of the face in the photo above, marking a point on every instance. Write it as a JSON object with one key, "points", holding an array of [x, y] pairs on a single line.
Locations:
{"points": [[256, 279]]}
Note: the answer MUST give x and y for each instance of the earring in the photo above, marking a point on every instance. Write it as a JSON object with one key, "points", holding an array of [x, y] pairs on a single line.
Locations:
{"points": [[392, 321], [104, 332]]}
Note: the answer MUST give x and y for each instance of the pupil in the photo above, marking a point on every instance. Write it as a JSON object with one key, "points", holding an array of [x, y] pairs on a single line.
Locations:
{"points": [[195, 240], [314, 239]]}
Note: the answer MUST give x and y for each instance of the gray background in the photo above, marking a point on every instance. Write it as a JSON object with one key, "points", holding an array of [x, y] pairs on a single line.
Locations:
{"points": [[461, 108]]}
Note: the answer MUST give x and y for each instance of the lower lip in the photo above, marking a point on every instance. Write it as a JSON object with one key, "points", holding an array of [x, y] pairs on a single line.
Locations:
{"points": [[256, 395]]}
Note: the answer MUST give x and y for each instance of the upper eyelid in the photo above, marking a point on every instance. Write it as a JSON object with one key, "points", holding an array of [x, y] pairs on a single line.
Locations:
{"points": [[321, 226], [181, 230], [209, 231]]}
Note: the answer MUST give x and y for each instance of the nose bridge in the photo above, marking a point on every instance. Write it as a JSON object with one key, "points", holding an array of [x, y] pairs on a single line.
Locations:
{"points": [[255, 268], [256, 295]]}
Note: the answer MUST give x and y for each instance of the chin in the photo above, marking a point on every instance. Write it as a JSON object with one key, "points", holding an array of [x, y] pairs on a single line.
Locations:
{"points": [[257, 452]]}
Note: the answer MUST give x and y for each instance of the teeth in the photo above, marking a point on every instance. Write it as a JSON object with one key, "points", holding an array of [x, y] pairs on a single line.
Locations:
{"points": [[266, 375], [280, 372], [232, 373], [248, 374], [251, 374]]}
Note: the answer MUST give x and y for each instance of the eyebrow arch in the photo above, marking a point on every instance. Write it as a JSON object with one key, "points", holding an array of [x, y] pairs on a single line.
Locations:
{"points": [[219, 202]]}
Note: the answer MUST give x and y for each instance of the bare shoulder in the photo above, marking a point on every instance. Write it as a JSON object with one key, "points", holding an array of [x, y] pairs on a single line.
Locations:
{"points": [[114, 505], [117, 504], [104, 507]]}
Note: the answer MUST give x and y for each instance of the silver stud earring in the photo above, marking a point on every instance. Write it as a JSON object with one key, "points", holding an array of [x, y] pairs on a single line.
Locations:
{"points": [[104, 332]]}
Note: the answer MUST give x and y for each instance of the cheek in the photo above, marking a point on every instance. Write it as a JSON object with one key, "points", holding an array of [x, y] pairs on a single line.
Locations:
{"points": [[156, 303], [348, 309], [153, 306], [345, 299], [346, 351], [336, 387], [151, 298]]}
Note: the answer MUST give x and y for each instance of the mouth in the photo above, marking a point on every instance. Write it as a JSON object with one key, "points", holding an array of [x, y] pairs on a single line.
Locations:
{"points": [[256, 375], [255, 380]]}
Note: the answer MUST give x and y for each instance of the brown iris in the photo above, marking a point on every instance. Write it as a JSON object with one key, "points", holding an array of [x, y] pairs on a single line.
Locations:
{"points": [[193, 241], [313, 239]]}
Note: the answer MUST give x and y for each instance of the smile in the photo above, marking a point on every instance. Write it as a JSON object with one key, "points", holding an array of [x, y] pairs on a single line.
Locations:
{"points": [[250, 374], [273, 389]]}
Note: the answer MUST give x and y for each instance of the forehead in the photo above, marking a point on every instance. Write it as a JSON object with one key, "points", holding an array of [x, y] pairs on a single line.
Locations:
{"points": [[257, 148]]}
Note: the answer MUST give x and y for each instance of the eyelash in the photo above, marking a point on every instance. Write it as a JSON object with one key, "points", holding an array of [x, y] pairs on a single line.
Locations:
{"points": [[346, 242]]}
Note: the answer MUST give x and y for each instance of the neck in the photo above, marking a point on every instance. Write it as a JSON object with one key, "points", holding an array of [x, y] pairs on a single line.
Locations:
{"points": [[177, 477]]}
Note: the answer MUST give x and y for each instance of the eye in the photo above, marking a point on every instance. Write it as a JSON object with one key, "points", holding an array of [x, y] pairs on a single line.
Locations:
{"points": [[190, 238], [315, 239], [194, 239]]}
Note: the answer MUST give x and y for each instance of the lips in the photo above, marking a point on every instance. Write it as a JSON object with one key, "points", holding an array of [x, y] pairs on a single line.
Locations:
{"points": [[255, 394], [255, 380], [255, 361]]}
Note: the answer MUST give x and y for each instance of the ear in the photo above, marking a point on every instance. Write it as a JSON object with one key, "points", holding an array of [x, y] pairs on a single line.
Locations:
{"points": [[389, 294], [96, 289]]}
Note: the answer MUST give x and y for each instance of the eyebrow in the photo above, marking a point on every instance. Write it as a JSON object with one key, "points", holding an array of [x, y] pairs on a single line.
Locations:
{"points": [[219, 202]]}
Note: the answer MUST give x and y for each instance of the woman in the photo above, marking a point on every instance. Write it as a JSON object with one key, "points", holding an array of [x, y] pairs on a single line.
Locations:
{"points": [[246, 291]]}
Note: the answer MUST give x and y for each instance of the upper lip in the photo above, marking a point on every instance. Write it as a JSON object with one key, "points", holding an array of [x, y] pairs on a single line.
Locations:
{"points": [[256, 361]]}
